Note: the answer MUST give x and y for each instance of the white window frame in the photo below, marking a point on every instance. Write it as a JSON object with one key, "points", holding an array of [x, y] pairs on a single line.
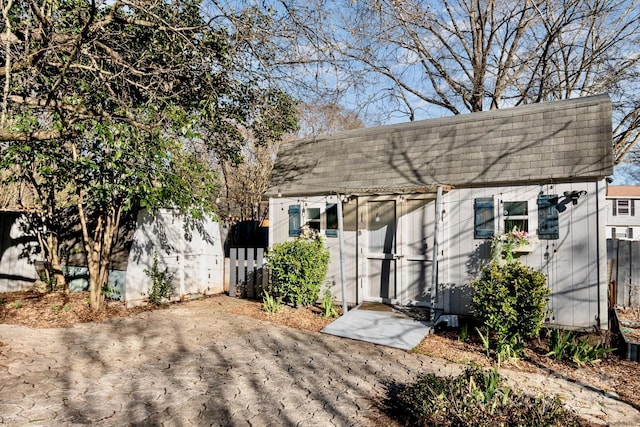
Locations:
{"points": [[506, 217], [315, 221]]}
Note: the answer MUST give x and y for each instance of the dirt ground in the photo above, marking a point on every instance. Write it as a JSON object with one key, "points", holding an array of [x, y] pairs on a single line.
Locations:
{"points": [[61, 310]]}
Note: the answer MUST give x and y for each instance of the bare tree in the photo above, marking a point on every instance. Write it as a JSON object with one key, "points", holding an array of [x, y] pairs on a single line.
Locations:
{"points": [[247, 178], [318, 118], [423, 58]]}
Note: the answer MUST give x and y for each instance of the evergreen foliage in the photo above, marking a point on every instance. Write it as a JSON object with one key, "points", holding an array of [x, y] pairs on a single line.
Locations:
{"points": [[298, 268]]}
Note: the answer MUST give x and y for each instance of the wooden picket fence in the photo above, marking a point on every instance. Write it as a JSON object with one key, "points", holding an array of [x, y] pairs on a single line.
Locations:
{"points": [[623, 258], [247, 272]]}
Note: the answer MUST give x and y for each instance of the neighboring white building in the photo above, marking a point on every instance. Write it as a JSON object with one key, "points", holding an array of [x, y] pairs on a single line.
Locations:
{"points": [[623, 222]]}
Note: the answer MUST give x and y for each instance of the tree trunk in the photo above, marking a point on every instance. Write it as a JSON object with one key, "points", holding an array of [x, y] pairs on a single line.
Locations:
{"points": [[60, 282], [54, 277], [95, 286], [92, 252], [98, 250]]}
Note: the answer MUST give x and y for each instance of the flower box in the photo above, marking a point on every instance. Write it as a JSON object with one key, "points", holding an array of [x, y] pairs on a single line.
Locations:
{"points": [[524, 249], [527, 247]]}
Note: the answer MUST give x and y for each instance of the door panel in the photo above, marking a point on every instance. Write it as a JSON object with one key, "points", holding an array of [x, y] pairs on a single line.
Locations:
{"points": [[418, 241], [381, 250]]}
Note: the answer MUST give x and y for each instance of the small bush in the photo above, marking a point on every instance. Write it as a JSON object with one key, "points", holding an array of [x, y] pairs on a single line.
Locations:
{"points": [[474, 398], [297, 270], [161, 283], [510, 300]]}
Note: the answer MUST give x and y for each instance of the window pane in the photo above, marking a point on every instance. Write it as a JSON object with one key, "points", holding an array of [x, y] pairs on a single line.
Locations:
{"points": [[332, 216], [515, 208], [313, 218], [313, 213], [522, 224]]}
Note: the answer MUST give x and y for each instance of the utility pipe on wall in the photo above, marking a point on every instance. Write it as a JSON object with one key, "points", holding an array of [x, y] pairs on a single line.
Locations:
{"points": [[434, 262], [341, 244]]}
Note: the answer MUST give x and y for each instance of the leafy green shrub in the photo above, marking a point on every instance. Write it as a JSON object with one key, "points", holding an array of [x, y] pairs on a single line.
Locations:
{"points": [[474, 398], [161, 283], [566, 345], [298, 268], [510, 300]]}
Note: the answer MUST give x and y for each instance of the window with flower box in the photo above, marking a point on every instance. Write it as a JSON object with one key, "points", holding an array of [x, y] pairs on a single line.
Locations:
{"points": [[516, 214]]}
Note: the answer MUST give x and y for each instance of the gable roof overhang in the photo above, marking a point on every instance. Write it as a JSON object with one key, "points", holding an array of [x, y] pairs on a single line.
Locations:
{"points": [[369, 191], [623, 191], [562, 140]]}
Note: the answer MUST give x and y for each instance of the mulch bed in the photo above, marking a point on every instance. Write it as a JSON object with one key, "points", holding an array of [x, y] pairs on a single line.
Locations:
{"points": [[57, 309]]}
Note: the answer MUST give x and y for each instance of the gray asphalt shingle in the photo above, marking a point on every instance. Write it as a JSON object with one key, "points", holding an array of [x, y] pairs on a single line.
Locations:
{"points": [[562, 140]]}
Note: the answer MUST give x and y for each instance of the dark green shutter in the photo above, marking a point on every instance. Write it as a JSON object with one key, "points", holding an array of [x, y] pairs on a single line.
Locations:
{"points": [[548, 225], [483, 227], [294, 220]]}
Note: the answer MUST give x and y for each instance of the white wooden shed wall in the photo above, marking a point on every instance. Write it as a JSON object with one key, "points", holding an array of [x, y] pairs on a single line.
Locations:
{"points": [[190, 249], [279, 232], [18, 254], [575, 264]]}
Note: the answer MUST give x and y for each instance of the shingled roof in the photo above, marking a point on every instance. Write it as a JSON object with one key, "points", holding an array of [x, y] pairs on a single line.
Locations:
{"points": [[623, 191], [562, 140]]}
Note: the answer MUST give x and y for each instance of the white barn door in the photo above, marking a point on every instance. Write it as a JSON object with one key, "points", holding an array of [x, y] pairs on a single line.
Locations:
{"points": [[397, 250], [418, 226]]}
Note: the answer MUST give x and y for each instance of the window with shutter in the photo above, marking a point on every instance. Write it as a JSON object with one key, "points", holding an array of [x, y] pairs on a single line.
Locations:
{"points": [[294, 220], [623, 207], [620, 233], [483, 218], [548, 225]]}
